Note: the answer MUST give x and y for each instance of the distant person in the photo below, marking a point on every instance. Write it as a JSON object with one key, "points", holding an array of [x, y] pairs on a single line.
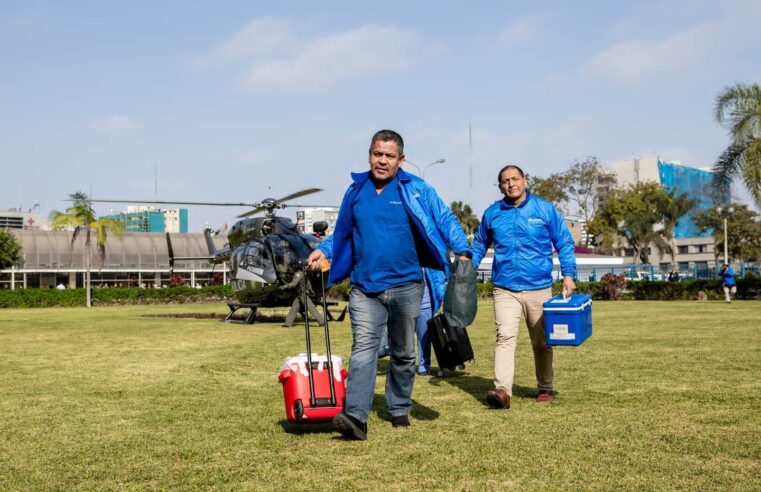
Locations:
{"points": [[673, 276], [523, 229], [730, 285], [390, 226]]}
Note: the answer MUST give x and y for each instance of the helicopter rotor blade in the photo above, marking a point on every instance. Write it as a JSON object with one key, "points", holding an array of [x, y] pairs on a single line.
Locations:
{"points": [[216, 204], [298, 194], [252, 212], [301, 205], [270, 204]]}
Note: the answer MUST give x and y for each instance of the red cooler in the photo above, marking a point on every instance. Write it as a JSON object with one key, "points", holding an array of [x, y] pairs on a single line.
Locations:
{"points": [[314, 386], [301, 404]]}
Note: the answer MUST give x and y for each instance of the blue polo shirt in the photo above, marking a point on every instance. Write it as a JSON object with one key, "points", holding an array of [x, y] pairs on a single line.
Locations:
{"points": [[384, 247]]}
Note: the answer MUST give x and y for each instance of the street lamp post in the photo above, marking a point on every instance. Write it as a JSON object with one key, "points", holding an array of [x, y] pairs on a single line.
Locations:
{"points": [[724, 212], [422, 173]]}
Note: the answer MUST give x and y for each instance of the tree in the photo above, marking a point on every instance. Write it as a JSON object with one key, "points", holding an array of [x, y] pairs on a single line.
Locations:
{"points": [[583, 179], [743, 231], [576, 190], [633, 213], [10, 250], [674, 208], [465, 215], [551, 188], [80, 217], [738, 108]]}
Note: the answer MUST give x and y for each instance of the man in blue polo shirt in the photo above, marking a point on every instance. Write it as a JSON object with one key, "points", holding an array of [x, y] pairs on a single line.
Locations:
{"points": [[523, 229], [391, 225]]}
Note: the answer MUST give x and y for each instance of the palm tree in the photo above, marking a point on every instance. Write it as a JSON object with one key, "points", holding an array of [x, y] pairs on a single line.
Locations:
{"points": [[674, 208], [465, 215], [738, 108], [80, 217]]}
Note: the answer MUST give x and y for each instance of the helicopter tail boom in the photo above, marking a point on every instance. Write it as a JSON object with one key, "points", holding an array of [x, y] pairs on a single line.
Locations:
{"points": [[216, 256]]}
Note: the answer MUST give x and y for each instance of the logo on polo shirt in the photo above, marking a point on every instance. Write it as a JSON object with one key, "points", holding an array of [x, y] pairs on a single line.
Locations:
{"points": [[392, 202], [535, 220]]}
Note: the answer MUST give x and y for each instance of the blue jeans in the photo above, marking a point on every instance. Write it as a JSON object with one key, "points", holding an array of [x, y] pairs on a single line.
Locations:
{"points": [[396, 309], [423, 343], [421, 331]]}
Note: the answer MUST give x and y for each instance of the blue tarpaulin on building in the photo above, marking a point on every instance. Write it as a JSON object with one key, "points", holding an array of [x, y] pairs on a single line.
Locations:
{"points": [[696, 184]]}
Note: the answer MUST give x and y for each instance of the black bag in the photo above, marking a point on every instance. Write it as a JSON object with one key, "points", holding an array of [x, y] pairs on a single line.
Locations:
{"points": [[450, 343], [461, 297]]}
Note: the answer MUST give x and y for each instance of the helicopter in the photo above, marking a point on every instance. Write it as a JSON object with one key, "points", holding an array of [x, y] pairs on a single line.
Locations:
{"points": [[267, 256]]}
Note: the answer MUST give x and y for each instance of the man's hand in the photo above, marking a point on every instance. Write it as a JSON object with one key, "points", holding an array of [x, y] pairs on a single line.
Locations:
{"points": [[568, 286], [463, 258], [316, 259]]}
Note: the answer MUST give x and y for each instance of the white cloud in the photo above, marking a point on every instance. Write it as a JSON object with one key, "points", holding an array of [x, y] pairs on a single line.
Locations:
{"points": [[265, 35], [634, 61], [321, 62], [115, 125], [520, 31]]}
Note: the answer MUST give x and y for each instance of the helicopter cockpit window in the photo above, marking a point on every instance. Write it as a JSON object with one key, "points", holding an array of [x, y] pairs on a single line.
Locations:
{"points": [[256, 254]]}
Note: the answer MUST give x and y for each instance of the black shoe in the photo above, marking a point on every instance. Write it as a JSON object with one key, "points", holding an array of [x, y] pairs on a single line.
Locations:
{"points": [[400, 421], [349, 427]]}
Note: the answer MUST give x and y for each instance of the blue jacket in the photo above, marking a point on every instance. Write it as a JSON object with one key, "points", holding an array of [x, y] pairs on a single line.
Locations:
{"points": [[728, 277], [435, 228], [523, 238]]}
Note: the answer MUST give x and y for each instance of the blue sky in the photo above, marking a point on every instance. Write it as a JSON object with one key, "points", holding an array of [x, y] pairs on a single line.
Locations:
{"points": [[238, 101]]}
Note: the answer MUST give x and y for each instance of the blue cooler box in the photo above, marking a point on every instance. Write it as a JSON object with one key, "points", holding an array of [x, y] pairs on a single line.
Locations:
{"points": [[568, 321]]}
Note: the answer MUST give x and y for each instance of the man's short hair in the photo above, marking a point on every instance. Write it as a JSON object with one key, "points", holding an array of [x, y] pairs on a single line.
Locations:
{"points": [[509, 166], [388, 136]]}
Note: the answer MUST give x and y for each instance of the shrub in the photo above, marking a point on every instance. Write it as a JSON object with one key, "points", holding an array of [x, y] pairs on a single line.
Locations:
{"points": [[28, 298], [613, 286]]}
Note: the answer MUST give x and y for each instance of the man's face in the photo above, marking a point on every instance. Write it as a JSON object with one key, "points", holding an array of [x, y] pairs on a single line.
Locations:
{"points": [[512, 185], [385, 160]]}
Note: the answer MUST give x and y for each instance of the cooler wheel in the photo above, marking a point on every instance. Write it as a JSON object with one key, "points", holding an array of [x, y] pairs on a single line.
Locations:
{"points": [[298, 409]]}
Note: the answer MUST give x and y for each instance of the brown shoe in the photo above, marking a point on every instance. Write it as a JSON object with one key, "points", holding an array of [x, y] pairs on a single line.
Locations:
{"points": [[498, 398], [545, 396]]}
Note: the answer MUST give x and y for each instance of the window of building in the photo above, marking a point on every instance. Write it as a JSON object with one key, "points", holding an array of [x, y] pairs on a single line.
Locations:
{"points": [[683, 250], [683, 265], [702, 248]]}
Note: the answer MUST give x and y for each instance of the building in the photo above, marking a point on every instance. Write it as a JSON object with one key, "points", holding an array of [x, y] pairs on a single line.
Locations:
{"points": [[694, 250], [16, 218], [176, 220], [135, 258], [306, 217], [150, 219]]}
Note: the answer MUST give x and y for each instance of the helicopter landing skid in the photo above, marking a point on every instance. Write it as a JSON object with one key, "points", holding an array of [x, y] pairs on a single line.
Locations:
{"points": [[298, 308], [248, 319]]}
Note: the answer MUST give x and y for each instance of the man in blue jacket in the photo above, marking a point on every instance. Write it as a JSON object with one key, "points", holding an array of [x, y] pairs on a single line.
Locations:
{"points": [[727, 275], [391, 226], [523, 229]]}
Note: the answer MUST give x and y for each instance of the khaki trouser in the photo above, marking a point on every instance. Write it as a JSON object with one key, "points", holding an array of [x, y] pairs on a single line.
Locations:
{"points": [[508, 308], [729, 290]]}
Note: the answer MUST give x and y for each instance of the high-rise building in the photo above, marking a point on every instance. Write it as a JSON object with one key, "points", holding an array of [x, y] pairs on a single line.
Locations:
{"points": [[150, 219], [694, 249], [676, 177]]}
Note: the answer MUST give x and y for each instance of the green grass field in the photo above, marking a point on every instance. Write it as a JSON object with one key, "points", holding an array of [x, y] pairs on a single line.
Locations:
{"points": [[665, 395]]}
